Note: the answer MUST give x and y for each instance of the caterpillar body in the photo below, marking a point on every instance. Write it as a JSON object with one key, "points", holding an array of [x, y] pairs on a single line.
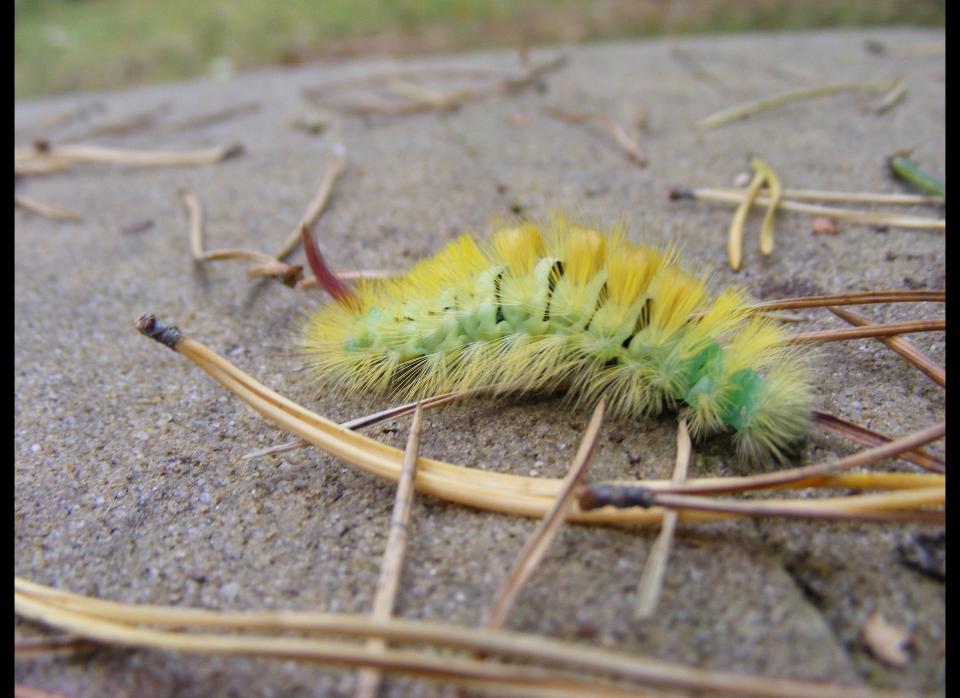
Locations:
{"points": [[564, 306]]}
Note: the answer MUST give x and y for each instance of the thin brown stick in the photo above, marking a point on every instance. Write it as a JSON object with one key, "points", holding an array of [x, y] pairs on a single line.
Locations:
{"points": [[873, 330], [740, 111], [51, 211], [392, 565], [900, 345], [651, 579], [628, 142], [890, 219], [862, 435], [851, 299], [315, 207], [537, 545]]}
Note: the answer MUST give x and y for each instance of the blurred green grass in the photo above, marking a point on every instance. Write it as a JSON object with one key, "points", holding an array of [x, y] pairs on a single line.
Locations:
{"points": [[70, 45]]}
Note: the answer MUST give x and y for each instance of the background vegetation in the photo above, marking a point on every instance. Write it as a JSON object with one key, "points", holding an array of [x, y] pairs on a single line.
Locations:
{"points": [[66, 45]]}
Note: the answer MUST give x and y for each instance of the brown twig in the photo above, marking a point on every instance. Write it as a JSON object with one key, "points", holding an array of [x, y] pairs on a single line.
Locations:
{"points": [[315, 207], [860, 434], [651, 579], [537, 545], [628, 142], [935, 296], [899, 345], [51, 211], [873, 330], [392, 565], [736, 196]]}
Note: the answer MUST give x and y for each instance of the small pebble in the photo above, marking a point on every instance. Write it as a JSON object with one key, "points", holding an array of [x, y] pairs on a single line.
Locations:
{"points": [[824, 226]]}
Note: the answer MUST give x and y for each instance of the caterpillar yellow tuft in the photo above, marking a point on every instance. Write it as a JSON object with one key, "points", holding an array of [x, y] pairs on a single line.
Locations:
{"points": [[560, 306]]}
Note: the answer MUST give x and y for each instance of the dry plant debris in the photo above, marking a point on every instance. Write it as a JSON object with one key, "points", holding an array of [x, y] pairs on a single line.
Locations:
{"points": [[122, 624], [651, 579], [414, 97], [741, 111], [628, 139], [887, 642], [392, 566], [44, 157], [51, 211], [530, 496]]}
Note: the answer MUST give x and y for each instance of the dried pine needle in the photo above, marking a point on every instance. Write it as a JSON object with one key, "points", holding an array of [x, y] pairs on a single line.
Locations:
{"points": [[82, 153], [110, 621], [776, 194], [51, 211], [872, 330], [391, 567], [909, 352], [869, 297], [501, 492], [537, 545], [741, 111], [860, 434], [628, 142], [651, 579], [863, 197], [736, 196], [735, 236], [316, 205]]}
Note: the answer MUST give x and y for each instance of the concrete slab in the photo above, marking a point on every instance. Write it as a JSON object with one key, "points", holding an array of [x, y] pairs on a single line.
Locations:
{"points": [[130, 483]]}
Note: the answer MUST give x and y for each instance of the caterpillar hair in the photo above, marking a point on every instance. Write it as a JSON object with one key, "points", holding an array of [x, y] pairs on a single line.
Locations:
{"points": [[561, 306]]}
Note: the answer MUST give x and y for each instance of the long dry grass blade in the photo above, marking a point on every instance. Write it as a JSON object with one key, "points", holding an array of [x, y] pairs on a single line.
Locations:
{"points": [[82, 153]]}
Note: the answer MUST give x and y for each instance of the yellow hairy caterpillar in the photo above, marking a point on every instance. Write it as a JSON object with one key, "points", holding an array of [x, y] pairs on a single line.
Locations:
{"points": [[564, 306]]}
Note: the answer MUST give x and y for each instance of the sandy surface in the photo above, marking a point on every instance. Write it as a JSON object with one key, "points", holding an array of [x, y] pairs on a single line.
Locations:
{"points": [[130, 483]]}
